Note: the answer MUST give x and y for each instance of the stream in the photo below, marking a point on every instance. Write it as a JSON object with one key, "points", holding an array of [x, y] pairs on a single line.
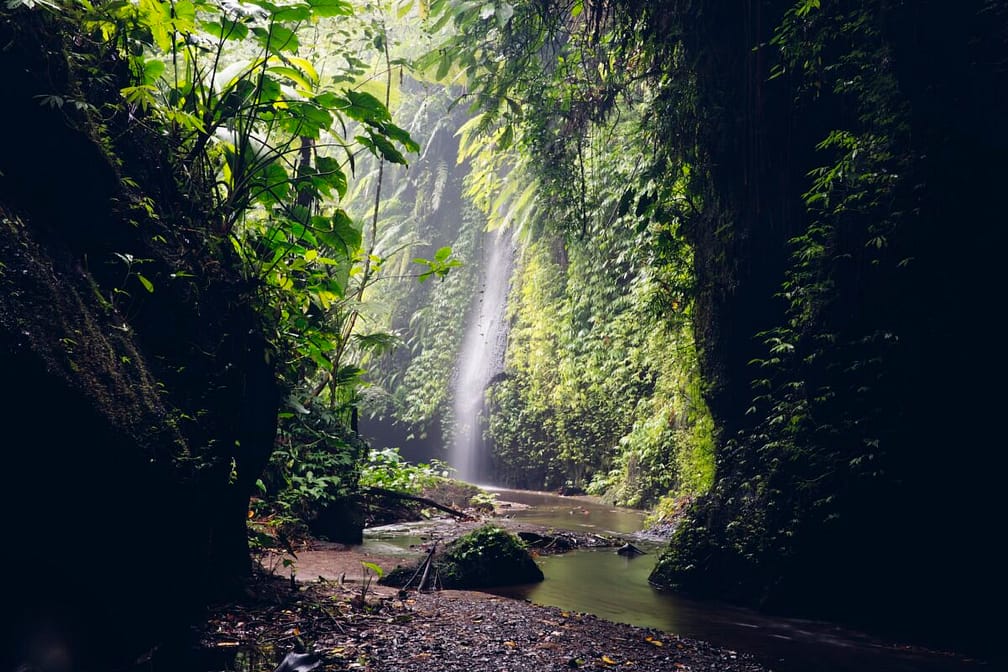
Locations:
{"points": [[597, 581]]}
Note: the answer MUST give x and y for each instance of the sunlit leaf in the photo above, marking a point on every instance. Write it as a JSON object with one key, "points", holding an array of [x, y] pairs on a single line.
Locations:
{"points": [[331, 8], [305, 66], [296, 12], [294, 75], [378, 571], [152, 70], [276, 39], [231, 30]]}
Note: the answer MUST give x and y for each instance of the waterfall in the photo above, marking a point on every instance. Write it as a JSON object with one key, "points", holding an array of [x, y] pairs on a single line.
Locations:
{"points": [[481, 357]]}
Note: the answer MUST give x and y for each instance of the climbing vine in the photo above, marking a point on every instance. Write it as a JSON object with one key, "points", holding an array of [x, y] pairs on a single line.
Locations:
{"points": [[561, 146]]}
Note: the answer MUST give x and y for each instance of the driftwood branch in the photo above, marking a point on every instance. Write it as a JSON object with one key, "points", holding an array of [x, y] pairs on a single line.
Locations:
{"points": [[383, 492], [424, 567]]}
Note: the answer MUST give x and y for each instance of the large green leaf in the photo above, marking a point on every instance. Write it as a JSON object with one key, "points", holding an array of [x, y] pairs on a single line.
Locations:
{"points": [[151, 70], [381, 147], [330, 100], [331, 8], [229, 30], [272, 185], [156, 16], [340, 233], [401, 136], [363, 106], [276, 39], [296, 12], [293, 74], [269, 89], [331, 173]]}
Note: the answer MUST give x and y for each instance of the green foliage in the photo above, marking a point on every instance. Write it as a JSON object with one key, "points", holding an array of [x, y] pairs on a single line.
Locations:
{"points": [[821, 387], [560, 146], [386, 469], [618, 410], [439, 265], [441, 232], [240, 92], [316, 462], [371, 573], [488, 556], [277, 139], [484, 501], [601, 387]]}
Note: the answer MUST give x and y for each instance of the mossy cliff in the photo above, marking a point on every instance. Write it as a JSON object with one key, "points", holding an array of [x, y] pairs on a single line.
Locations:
{"points": [[138, 410], [847, 264]]}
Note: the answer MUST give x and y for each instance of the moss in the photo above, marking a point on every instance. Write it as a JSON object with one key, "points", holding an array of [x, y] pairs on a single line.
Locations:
{"points": [[484, 558], [76, 343], [112, 387]]}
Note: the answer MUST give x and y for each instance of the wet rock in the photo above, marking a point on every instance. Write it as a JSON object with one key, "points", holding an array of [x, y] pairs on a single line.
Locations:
{"points": [[630, 551], [548, 542], [299, 662]]}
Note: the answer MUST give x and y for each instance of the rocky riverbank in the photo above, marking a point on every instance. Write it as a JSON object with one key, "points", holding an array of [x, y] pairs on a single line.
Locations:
{"points": [[374, 629], [327, 599]]}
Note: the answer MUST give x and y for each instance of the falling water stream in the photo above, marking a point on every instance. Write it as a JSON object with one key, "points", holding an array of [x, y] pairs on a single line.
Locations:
{"points": [[601, 582], [480, 357]]}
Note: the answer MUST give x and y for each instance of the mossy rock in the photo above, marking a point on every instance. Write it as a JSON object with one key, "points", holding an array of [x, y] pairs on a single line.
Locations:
{"points": [[487, 557], [484, 558]]}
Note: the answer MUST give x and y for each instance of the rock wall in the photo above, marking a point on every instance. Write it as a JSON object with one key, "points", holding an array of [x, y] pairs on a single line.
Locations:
{"points": [[137, 421], [857, 481]]}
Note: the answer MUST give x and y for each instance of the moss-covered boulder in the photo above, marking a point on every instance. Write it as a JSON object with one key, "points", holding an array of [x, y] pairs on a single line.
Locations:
{"points": [[484, 558], [487, 556]]}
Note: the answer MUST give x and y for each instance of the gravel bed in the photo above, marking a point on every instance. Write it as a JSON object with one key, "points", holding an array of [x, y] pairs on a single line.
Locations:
{"points": [[449, 631]]}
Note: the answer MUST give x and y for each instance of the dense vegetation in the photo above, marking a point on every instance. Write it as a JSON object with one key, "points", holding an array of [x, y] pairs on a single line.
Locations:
{"points": [[813, 158], [180, 290], [778, 185], [600, 388], [739, 275]]}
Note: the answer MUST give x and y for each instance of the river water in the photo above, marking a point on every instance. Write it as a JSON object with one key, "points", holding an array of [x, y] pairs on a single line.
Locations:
{"points": [[616, 588]]}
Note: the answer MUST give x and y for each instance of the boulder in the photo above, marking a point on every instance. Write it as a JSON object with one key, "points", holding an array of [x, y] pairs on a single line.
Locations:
{"points": [[486, 557]]}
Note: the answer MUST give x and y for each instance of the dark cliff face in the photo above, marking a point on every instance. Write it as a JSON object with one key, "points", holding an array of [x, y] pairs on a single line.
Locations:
{"points": [[137, 421], [861, 486]]}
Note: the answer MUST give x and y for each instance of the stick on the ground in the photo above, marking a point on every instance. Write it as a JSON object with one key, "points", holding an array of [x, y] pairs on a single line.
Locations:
{"points": [[426, 571], [425, 567]]}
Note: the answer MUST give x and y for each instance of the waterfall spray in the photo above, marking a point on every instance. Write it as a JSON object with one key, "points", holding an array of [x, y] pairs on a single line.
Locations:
{"points": [[481, 357]]}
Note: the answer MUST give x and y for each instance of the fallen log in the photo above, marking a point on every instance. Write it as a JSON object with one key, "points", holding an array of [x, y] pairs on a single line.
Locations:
{"points": [[384, 492]]}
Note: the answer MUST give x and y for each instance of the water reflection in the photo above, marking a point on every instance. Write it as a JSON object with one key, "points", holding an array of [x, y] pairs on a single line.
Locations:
{"points": [[599, 582], [570, 513]]}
